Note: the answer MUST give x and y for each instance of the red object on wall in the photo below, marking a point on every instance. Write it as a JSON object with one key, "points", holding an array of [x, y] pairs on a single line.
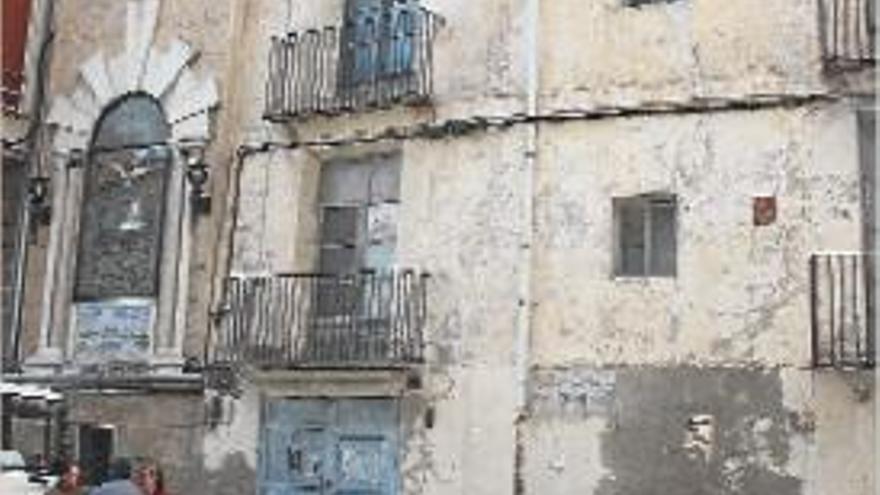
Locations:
{"points": [[16, 14], [764, 210]]}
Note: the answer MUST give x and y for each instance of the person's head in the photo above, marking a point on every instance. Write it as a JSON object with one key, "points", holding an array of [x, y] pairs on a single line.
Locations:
{"points": [[149, 477], [70, 475]]}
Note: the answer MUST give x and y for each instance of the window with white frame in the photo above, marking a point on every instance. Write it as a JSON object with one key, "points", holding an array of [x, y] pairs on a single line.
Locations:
{"points": [[645, 236]]}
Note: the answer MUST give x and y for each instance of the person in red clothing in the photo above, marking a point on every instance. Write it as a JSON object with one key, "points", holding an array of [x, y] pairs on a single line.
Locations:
{"points": [[70, 482], [149, 477]]}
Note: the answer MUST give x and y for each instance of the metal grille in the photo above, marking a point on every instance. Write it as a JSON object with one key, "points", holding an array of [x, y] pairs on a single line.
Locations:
{"points": [[848, 30], [288, 321], [842, 306], [378, 62]]}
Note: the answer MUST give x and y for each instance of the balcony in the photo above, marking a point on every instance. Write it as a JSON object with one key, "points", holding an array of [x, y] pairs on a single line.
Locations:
{"points": [[367, 320], [842, 310], [848, 29], [374, 62]]}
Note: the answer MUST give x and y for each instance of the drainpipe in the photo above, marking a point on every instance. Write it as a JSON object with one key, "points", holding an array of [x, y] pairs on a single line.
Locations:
{"points": [[531, 50], [530, 155], [875, 257]]}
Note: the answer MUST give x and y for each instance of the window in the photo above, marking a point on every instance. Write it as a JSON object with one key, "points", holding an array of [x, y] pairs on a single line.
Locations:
{"points": [[358, 214], [378, 40], [645, 233], [358, 234], [116, 285]]}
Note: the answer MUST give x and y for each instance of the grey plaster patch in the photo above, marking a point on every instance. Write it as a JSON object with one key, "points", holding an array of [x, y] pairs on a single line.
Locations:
{"points": [[697, 431], [571, 392], [417, 458], [233, 478]]}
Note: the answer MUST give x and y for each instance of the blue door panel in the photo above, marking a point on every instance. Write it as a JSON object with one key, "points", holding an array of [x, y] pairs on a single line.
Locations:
{"points": [[329, 447], [363, 465]]}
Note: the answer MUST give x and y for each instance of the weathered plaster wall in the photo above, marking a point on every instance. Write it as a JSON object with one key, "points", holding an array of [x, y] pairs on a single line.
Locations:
{"points": [[604, 52], [165, 426], [460, 220], [229, 451], [643, 430], [276, 221], [741, 294]]}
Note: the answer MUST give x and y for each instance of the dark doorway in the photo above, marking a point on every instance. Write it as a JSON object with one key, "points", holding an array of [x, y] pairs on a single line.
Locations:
{"points": [[95, 452]]}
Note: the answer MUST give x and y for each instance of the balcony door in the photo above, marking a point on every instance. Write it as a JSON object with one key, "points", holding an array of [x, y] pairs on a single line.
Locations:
{"points": [[358, 204], [358, 210], [378, 41]]}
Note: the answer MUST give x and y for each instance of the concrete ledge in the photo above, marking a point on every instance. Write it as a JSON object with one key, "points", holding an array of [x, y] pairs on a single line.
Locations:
{"points": [[189, 383], [337, 383]]}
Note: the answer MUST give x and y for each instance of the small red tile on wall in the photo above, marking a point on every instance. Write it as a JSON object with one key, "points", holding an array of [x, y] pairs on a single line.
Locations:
{"points": [[764, 210]]}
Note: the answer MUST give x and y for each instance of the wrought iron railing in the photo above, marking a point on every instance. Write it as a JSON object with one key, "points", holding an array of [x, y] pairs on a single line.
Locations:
{"points": [[842, 310], [848, 29], [309, 320], [376, 61]]}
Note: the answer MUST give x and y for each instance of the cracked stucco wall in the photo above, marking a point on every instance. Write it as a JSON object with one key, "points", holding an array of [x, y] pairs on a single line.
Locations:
{"points": [[739, 298], [697, 430], [603, 52], [458, 221], [623, 365], [645, 356], [741, 294]]}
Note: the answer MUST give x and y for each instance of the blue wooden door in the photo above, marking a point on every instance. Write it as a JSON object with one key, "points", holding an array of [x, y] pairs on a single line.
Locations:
{"points": [[294, 441], [329, 447]]}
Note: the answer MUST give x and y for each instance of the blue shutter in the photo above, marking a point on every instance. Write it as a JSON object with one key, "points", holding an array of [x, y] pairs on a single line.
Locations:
{"points": [[378, 39]]}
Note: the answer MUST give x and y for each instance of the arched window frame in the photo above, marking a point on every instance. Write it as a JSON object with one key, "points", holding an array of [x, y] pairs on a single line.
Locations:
{"points": [[60, 329]]}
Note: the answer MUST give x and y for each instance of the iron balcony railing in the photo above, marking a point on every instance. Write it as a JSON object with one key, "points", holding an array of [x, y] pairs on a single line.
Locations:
{"points": [[842, 310], [308, 320], [369, 62], [848, 29]]}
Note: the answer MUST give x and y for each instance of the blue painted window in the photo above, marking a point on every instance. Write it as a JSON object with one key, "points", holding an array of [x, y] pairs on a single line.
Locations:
{"points": [[378, 41]]}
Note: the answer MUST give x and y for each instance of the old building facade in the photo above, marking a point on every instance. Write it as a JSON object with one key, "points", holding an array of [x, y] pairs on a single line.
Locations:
{"points": [[413, 246]]}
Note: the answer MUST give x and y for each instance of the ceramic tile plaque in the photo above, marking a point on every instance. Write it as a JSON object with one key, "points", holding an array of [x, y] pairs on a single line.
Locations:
{"points": [[113, 330]]}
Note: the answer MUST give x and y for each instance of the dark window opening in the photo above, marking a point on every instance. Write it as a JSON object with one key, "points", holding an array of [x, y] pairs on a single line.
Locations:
{"points": [[123, 205], [645, 236]]}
